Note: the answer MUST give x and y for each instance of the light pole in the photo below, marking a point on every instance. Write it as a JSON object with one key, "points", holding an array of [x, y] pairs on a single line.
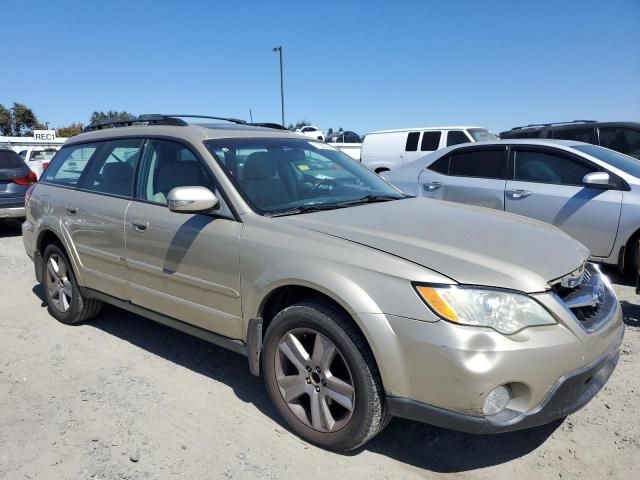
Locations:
{"points": [[279, 50]]}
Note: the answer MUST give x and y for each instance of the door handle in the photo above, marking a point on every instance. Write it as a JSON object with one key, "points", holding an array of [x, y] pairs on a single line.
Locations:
{"points": [[139, 224], [518, 194], [431, 186], [72, 209]]}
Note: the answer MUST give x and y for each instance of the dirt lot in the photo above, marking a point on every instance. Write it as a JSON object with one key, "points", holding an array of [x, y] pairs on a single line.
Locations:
{"points": [[125, 398]]}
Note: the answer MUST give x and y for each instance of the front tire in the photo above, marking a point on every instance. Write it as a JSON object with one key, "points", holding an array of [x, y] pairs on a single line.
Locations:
{"points": [[64, 301], [321, 376]]}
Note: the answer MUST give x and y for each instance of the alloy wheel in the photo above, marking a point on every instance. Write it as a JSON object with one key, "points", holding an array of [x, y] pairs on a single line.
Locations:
{"points": [[58, 283], [314, 380]]}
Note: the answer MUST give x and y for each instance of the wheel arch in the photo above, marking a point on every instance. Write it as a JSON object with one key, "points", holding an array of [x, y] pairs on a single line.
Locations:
{"points": [[285, 294]]}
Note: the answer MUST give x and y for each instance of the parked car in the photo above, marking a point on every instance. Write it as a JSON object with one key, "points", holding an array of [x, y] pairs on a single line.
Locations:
{"points": [[38, 158], [354, 301], [623, 137], [345, 136], [590, 192], [388, 150], [15, 179], [311, 132]]}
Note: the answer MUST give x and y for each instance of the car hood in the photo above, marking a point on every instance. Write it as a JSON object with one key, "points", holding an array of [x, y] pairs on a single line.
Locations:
{"points": [[469, 244]]}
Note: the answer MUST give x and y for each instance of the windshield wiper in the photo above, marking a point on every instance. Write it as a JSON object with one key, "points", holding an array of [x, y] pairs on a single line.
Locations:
{"points": [[371, 199], [304, 209]]}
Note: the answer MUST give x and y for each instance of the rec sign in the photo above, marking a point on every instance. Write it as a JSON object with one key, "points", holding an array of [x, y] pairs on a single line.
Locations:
{"points": [[44, 135]]}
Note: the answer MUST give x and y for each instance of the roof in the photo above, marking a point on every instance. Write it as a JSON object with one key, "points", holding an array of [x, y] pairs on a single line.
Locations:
{"points": [[455, 127], [192, 132], [571, 125]]}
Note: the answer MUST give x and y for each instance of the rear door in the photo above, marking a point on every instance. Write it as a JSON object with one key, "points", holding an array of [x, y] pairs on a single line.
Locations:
{"points": [[473, 175], [94, 187], [546, 184]]}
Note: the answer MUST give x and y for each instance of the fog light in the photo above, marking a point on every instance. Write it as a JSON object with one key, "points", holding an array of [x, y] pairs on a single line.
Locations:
{"points": [[496, 401]]}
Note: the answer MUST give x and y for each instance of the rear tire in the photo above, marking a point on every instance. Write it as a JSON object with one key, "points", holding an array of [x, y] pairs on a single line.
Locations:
{"points": [[64, 301], [342, 388]]}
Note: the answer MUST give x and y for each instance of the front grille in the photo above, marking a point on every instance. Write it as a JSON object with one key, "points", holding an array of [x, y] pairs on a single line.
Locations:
{"points": [[589, 299]]}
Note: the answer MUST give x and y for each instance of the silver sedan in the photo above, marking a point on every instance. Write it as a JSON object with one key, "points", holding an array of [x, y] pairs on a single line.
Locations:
{"points": [[590, 192]]}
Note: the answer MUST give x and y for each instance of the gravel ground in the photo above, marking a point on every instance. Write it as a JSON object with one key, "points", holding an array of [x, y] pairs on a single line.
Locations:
{"points": [[125, 398]]}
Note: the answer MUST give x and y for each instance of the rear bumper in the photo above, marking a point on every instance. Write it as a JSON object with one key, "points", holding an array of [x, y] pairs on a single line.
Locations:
{"points": [[569, 394], [12, 212]]}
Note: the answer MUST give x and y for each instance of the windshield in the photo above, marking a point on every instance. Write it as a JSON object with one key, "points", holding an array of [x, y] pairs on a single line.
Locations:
{"points": [[618, 160], [279, 175], [482, 135]]}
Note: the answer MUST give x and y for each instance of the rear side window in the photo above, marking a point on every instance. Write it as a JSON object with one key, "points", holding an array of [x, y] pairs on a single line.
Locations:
{"points": [[10, 159], [412, 142], [441, 165], [430, 141], [479, 163], [577, 134], [456, 137], [542, 167], [69, 164], [114, 168]]}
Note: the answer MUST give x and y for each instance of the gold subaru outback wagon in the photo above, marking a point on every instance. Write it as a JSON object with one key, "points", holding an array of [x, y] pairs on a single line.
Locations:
{"points": [[355, 302]]}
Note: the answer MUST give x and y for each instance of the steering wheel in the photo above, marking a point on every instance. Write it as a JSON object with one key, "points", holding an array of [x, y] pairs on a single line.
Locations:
{"points": [[327, 184]]}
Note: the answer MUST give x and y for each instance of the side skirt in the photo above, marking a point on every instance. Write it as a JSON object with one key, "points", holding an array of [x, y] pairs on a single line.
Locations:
{"points": [[232, 344]]}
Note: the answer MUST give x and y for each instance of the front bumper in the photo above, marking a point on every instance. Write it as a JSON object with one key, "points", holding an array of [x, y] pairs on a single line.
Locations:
{"points": [[569, 394]]}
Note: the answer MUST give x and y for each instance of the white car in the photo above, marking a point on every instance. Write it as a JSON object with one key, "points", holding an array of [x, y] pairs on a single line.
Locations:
{"points": [[38, 158], [311, 132], [387, 150]]}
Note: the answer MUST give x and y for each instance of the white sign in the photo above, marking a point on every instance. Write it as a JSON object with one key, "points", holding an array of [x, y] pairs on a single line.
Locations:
{"points": [[44, 135]]}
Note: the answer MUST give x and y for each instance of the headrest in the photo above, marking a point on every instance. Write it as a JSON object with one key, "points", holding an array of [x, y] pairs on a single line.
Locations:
{"points": [[259, 166], [117, 172]]}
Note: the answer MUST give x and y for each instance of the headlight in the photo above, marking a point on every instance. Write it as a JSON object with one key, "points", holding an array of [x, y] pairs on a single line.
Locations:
{"points": [[506, 312]]}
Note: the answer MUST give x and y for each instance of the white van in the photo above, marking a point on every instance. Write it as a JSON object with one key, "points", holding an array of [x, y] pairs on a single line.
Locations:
{"points": [[391, 149]]}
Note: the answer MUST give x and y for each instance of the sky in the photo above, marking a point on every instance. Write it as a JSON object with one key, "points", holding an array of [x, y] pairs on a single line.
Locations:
{"points": [[362, 66]]}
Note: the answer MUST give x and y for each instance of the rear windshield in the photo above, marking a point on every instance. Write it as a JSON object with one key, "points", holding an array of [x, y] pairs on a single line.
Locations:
{"points": [[45, 155], [618, 160], [482, 135], [10, 159]]}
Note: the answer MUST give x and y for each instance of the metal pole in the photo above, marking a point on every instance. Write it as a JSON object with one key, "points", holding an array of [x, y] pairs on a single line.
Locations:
{"points": [[279, 50]]}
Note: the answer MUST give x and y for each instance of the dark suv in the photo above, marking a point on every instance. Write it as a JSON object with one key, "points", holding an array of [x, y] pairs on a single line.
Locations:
{"points": [[623, 137]]}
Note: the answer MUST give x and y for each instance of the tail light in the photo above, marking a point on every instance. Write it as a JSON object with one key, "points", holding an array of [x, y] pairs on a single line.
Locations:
{"points": [[29, 179], [27, 195]]}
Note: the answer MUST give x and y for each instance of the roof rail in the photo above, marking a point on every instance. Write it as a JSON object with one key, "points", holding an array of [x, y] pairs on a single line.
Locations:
{"points": [[147, 119], [553, 123], [162, 119]]}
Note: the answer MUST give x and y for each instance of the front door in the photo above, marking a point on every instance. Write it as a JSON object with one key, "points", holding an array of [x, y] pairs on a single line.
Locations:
{"points": [[547, 185], [185, 266]]}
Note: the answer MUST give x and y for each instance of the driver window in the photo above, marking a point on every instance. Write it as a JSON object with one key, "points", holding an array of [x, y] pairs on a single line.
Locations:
{"points": [[540, 167], [166, 165]]}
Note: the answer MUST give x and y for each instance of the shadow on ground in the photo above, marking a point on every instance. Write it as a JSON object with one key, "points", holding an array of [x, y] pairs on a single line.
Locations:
{"points": [[410, 442], [10, 228]]}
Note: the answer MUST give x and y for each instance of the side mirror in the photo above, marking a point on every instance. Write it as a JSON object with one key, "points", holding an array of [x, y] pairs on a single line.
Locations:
{"points": [[597, 180], [191, 200]]}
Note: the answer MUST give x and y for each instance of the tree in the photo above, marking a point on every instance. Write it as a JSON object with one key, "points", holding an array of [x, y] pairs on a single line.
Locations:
{"points": [[330, 131], [19, 120], [110, 115], [70, 130], [6, 121], [301, 123]]}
